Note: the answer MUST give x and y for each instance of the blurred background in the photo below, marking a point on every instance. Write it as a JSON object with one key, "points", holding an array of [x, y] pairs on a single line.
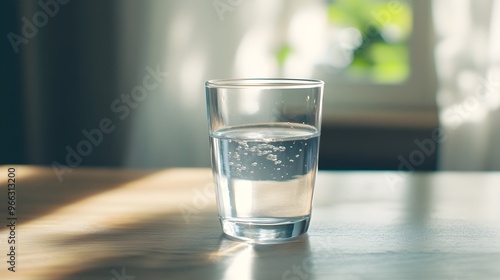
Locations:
{"points": [[410, 85]]}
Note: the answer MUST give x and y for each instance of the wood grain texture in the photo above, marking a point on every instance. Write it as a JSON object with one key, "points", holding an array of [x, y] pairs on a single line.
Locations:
{"points": [[162, 224]]}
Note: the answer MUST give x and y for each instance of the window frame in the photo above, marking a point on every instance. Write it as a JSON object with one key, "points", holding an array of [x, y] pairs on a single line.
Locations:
{"points": [[418, 92]]}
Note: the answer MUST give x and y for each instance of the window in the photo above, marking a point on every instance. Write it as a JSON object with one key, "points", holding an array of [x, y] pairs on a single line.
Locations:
{"points": [[371, 40], [414, 87], [373, 54]]}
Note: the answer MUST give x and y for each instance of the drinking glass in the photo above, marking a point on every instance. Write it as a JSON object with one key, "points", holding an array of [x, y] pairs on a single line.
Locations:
{"points": [[264, 141]]}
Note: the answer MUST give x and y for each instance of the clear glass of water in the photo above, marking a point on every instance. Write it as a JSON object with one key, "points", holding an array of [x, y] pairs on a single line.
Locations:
{"points": [[264, 140]]}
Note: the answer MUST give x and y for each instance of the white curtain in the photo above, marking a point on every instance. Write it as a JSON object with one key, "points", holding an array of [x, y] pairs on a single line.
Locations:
{"points": [[193, 41], [169, 127], [467, 58]]}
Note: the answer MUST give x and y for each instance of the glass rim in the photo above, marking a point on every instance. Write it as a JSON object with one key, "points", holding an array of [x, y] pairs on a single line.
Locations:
{"points": [[274, 83]]}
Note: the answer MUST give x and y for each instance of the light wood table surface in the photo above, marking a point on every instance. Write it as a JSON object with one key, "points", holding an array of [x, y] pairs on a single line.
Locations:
{"points": [[162, 224]]}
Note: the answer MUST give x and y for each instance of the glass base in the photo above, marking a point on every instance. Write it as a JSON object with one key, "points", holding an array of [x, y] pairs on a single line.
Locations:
{"points": [[265, 230]]}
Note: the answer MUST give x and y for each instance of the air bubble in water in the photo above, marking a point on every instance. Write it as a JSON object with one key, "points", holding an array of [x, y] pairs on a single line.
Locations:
{"points": [[272, 157]]}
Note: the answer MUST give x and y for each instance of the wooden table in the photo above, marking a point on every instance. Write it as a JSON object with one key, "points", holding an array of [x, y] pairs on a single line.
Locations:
{"points": [[162, 224]]}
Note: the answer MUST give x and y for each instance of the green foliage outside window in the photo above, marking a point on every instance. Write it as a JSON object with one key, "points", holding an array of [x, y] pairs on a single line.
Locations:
{"points": [[385, 27]]}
